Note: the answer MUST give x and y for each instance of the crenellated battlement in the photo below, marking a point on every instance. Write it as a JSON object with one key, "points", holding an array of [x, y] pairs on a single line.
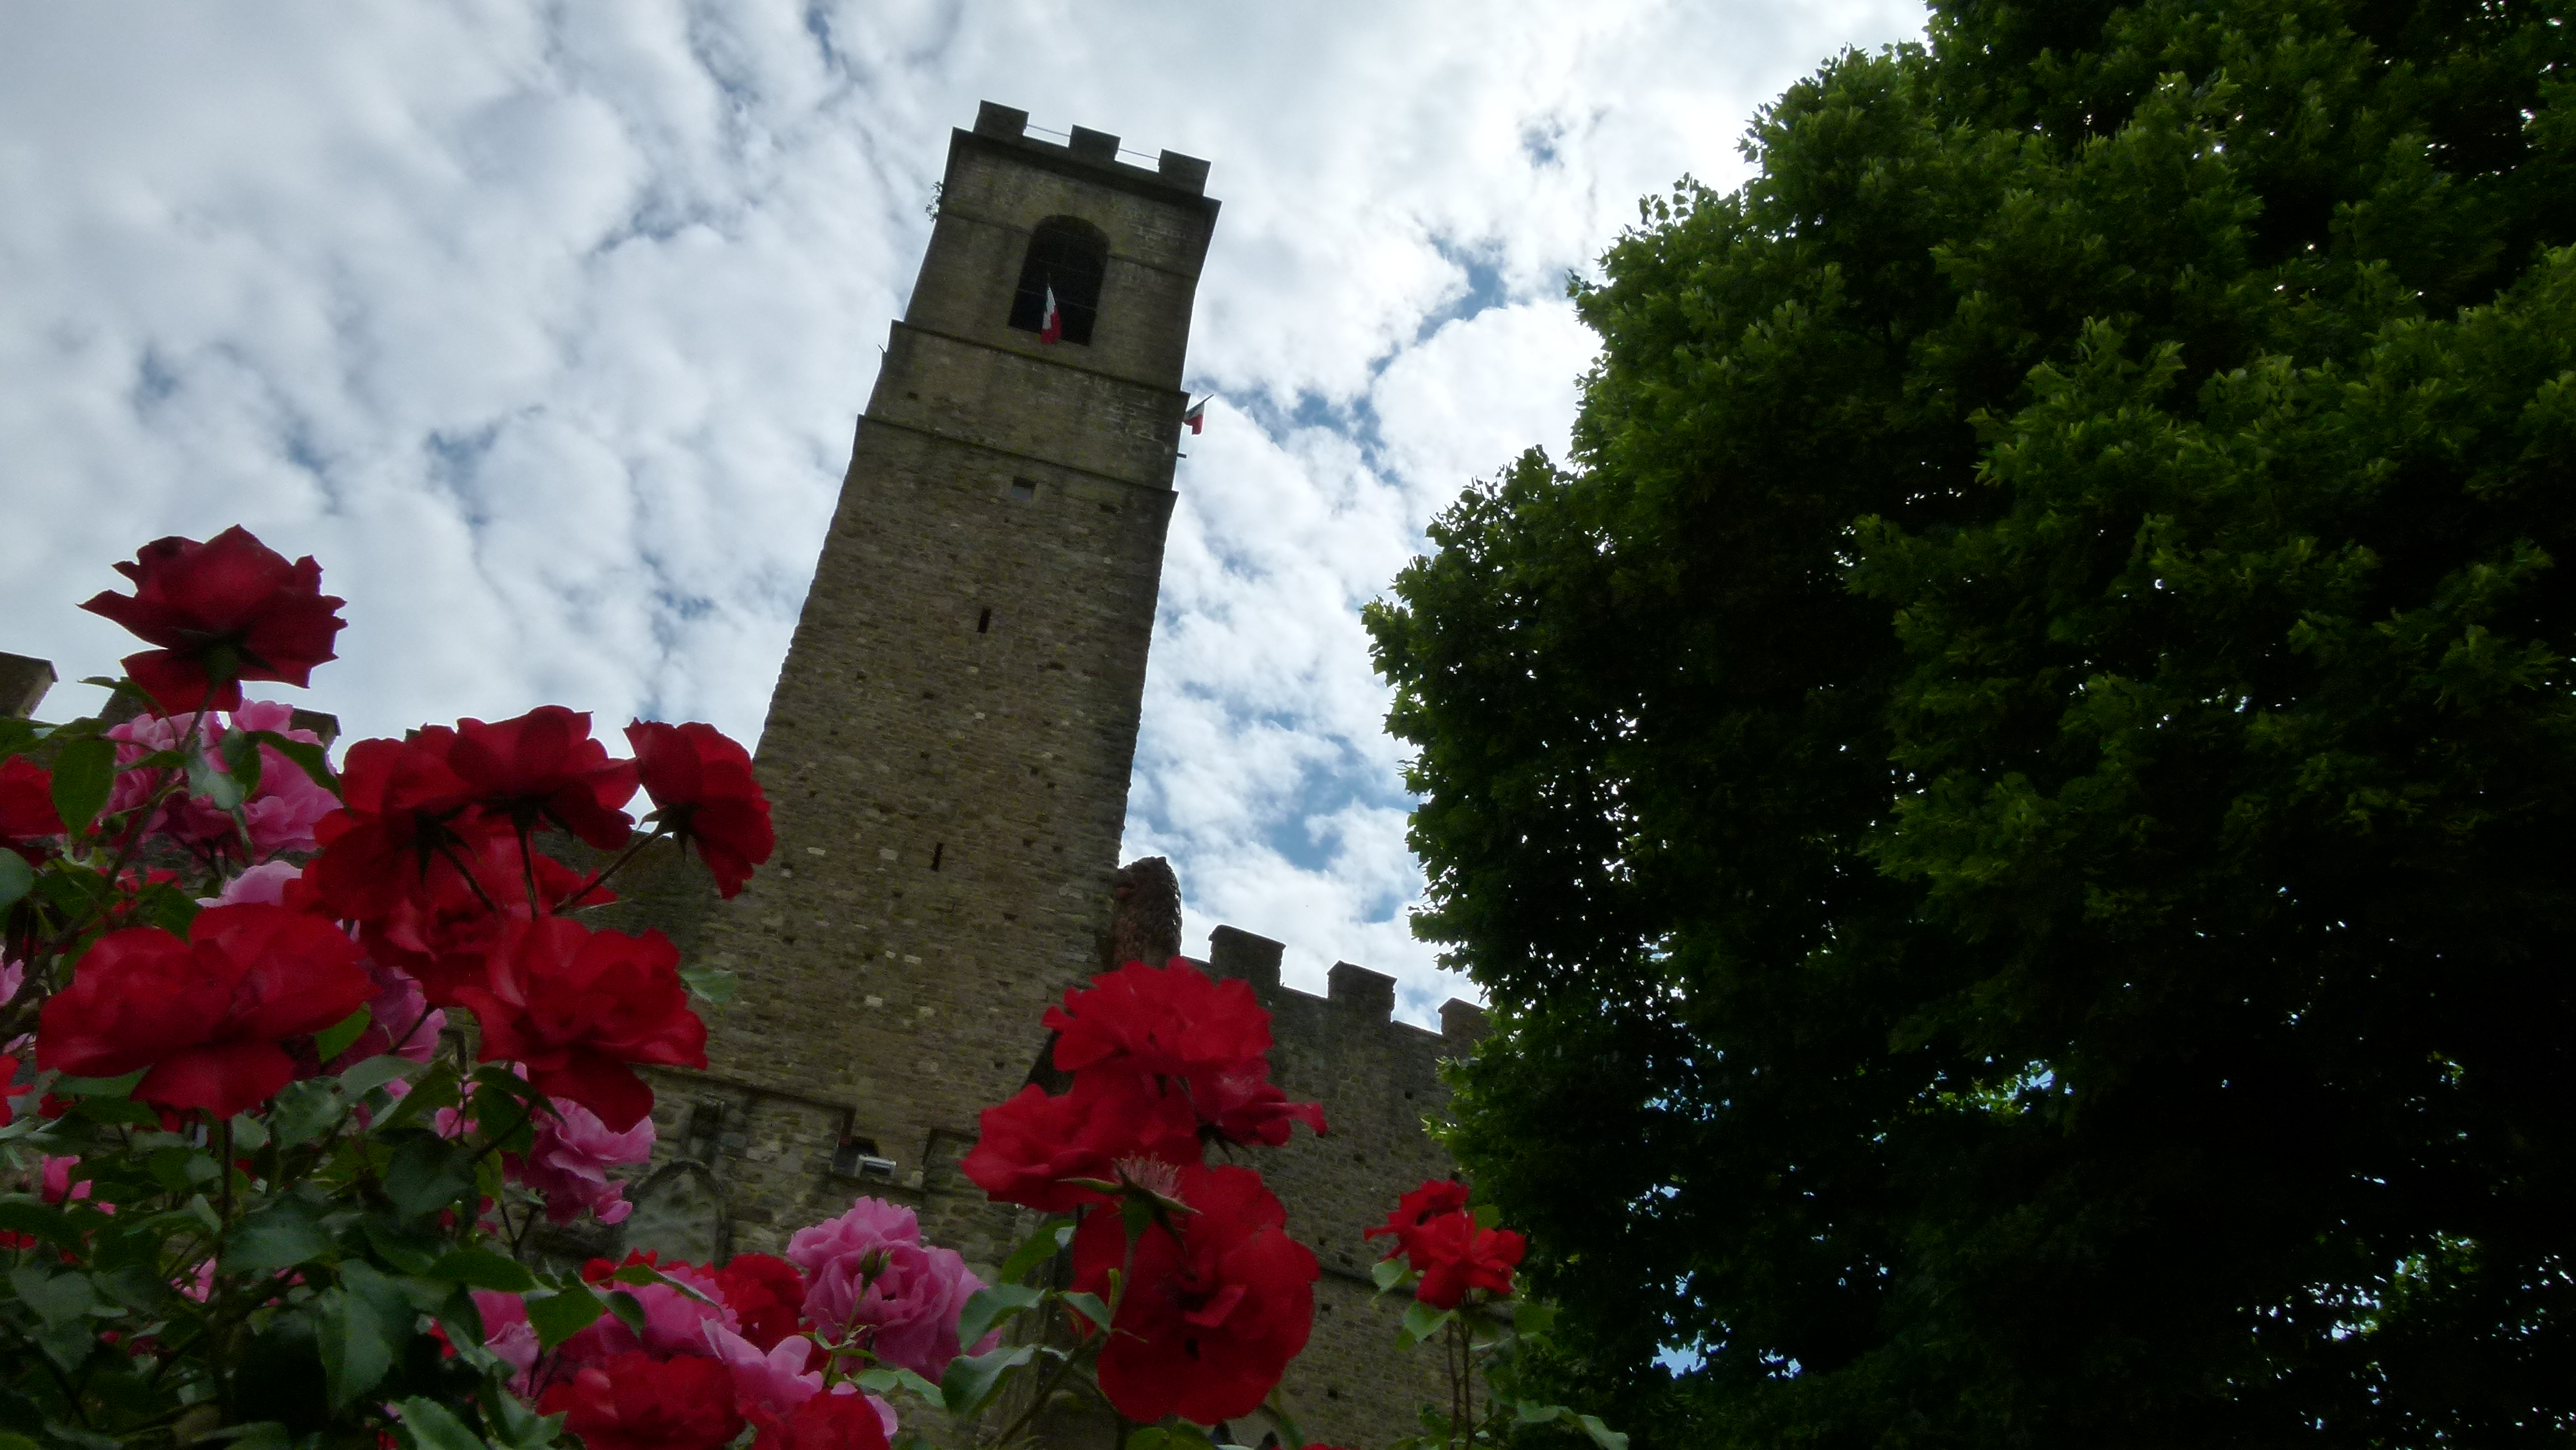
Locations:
{"points": [[1354, 995], [1095, 151]]}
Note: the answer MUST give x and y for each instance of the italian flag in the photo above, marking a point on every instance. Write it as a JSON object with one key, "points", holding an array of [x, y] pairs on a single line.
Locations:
{"points": [[1196, 417], [1051, 326]]}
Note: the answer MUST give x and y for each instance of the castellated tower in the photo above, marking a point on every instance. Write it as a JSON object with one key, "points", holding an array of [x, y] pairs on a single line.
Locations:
{"points": [[949, 746], [947, 755]]}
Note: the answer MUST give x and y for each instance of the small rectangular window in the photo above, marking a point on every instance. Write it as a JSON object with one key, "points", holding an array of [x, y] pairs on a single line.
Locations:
{"points": [[1024, 489]]}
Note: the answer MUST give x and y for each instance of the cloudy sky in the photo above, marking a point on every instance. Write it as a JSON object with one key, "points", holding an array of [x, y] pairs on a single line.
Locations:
{"points": [[543, 326]]}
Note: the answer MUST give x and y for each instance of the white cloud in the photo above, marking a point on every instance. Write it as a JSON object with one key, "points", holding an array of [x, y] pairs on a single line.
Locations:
{"points": [[543, 329]]}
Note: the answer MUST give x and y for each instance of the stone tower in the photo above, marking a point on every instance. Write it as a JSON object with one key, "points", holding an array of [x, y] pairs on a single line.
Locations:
{"points": [[947, 757], [949, 746]]}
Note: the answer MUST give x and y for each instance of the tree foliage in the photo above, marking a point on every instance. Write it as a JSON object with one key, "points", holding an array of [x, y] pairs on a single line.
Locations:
{"points": [[2013, 800]]}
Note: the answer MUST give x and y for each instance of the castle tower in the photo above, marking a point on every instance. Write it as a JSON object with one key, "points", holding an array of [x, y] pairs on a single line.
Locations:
{"points": [[947, 757], [949, 746]]}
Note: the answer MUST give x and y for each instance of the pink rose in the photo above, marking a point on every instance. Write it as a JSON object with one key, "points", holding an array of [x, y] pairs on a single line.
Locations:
{"points": [[280, 812], [260, 885], [776, 1381], [908, 1295], [507, 1333], [569, 1162], [870, 1223], [674, 1321]]}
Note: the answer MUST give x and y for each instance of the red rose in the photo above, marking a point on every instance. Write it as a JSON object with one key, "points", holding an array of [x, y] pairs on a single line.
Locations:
{"points": [[766, 1294], [441, 931], [577, 1005], [1170, 1021], [1213, 1313], [1031, 1145], [8, 1087], [633, 1401], [1243, 1105], [27, 807], [1176, 1029], [206, 1015], [702, 786], [544, 765], [227, 610], [404, 816], [1436, 1198], [1455, 1256], [825, 1422]]}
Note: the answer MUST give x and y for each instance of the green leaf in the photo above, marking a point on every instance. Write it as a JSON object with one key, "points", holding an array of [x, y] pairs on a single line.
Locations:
{"points": [[307, 1110], [1389, 1272], [1421, 1321], [333, 1040], [887, 1378], [412, 1248], [518, 1427], [257, 1435], [41, 1221], [628, 1309], [1148, 1437], [996, 1305], [435, 1089], [1532, 1320], [1090, 1307], [375, 1072], [181, 1169], [971, 1380], [137, 1287], [58, 1299], [428, 1173], [483, 1269], [84, 775], [1602, 1435], [358, 1338], [712, 984], [558, 1317], [99, 1087], [240, 750], [428, 1425], [314, 760], [17, 878], [250, 1134], [206, 779], [1037, 1248], [1486, 1215], [282, 1235]]}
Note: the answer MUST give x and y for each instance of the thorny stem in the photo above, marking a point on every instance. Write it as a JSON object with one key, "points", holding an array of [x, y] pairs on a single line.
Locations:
{"points": [[1038, 1397], [447, 849], [528, 871], [660, 832]]}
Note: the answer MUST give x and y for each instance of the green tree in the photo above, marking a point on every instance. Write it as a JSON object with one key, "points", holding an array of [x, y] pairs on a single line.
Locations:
{"points": [[2013, 801]]}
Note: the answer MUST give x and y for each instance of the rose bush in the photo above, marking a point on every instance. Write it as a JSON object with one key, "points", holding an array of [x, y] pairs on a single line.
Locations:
{"points": [[1459, 1267], [295, 1060]]}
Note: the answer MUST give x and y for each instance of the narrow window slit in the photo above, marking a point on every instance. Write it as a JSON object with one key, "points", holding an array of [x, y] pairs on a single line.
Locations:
{"points": [[937, 850], [984, 621]]}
